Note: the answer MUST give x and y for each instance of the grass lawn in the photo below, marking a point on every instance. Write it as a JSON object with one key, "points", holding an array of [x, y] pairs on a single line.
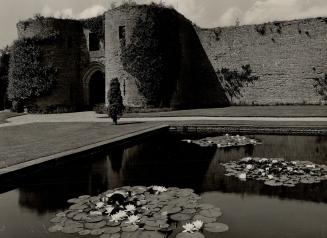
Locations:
{"points": [[5, 115], [31, 141], [243, 111]]}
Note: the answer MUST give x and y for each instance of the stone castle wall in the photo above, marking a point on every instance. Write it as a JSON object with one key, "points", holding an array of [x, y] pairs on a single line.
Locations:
{"points": [[196, 83], [287, 56], [124, 17], [68, 54]]}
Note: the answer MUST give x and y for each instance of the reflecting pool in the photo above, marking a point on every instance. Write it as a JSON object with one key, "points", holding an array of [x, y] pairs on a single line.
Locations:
{"points": [[251, 209]]}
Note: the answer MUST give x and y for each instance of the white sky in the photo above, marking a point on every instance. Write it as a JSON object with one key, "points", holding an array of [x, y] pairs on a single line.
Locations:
{"points": [[205, 13]]}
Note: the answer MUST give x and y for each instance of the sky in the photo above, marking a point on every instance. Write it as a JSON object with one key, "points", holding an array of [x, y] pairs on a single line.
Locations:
{"points": [[204, 13]]}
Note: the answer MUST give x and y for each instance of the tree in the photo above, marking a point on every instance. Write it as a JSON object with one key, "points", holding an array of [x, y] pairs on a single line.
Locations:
{"points": [[321, 86], [116, 106]]}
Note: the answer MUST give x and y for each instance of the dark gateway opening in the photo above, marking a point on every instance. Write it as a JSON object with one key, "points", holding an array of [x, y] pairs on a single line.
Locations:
{"points": [[97, 88]]}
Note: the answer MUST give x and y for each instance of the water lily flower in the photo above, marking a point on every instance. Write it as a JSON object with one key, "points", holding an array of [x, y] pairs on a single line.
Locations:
{"points": [[242, 176], [118, 216], [104, 199], [270, 176], [133, 219], [197, 224], [109, 209], [263, 160], [159, 189], [95, 213], [99, 205], [188, 227], [249, 166], [130, 208], [274, 161], [247, 159]]}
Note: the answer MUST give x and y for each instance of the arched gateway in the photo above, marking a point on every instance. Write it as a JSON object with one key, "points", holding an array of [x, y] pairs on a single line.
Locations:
{"points": [[94, 85]]}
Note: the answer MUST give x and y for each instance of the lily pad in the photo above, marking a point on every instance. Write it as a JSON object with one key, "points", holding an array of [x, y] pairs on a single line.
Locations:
{"points": [[111, 230], [107, 236], [71, 229], [188, 211], [55, 228], [204, 219], [58, 219], [190, 235], [216, 227], [61, 214], [180, 217], [72, 223], [77, 207], [84, 232], [130, 228], [84, 197], [97, 232], [92, 219], [171, 210], [80, 217], [95, 225], [205, 206], [113, 223], [151, 228], [213, 212], [272, 183], [74, 200]]}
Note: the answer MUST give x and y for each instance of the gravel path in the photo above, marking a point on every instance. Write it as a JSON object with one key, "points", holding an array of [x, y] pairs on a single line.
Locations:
{"points": [[93, 117]]}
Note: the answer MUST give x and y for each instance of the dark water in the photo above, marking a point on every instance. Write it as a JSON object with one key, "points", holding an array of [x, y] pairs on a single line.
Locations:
{"points": [[250, 208]]}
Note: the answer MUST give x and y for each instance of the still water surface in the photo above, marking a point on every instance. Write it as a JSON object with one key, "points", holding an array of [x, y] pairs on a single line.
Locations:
{"points": [[251, 209]]}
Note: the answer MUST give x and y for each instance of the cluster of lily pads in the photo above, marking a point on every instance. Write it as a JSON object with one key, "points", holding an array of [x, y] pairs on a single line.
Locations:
{"points": [[276, 171], [151, 212], [224, 141]]}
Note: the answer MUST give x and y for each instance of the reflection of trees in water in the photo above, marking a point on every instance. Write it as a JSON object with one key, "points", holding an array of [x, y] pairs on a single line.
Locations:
{"points": [[50, 189], [169, 163]]}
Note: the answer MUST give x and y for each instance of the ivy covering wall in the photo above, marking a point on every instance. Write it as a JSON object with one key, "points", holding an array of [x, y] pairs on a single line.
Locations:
{"points": [[152, 54], [29, 76], [4, 68], [233, 81], [95, 25]]}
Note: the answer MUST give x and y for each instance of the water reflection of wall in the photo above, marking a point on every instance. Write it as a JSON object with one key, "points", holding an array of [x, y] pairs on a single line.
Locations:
{"points": [[169, 164], [49, 190], [311, 148]]}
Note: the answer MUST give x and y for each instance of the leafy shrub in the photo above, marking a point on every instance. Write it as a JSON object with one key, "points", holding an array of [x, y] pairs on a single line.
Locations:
{"points": [[4, 68], [261, 29], [116, 106], [320, 85], [152, 56], [29, 77], [232, 80], [100, 108]]}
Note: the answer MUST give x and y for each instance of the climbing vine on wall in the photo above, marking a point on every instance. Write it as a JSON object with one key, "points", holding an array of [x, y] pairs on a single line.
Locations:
{"points": [[233, 80], [29, 77], [95, 25], [152, 54], [4, 67], [320, 85]]}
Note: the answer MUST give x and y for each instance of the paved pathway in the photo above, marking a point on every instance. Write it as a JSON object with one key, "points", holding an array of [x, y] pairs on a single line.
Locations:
{"points": [[93, 117]]}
